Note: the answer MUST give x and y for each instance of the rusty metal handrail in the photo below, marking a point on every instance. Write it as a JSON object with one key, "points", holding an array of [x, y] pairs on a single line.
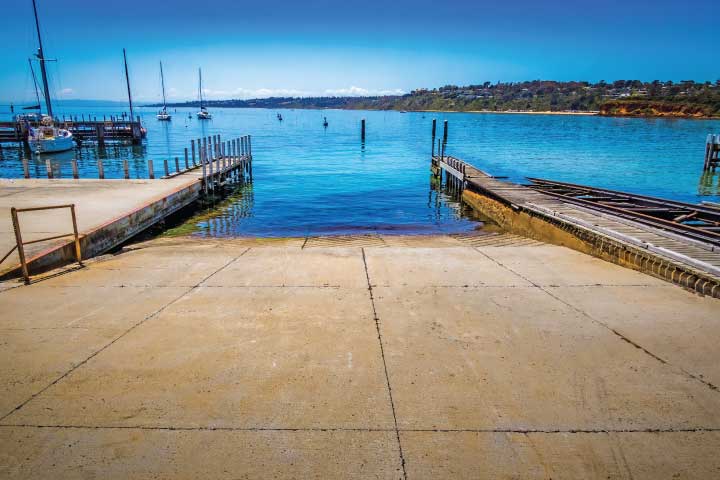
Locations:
{"points": [[19, 241]]}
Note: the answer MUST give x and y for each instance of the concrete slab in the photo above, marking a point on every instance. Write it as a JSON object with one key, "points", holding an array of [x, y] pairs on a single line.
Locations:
{"points": [[163, 454], [678, 326], [97, 202], [497, 379], [240, 358], [420, 267], [490, 455], [45, 331], [551, 265], [293, 267], [519, 359], [156, 267]]}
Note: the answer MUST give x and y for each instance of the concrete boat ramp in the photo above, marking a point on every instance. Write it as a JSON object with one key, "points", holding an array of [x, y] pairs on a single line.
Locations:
{"points": [[365, 357], [486, 355]]}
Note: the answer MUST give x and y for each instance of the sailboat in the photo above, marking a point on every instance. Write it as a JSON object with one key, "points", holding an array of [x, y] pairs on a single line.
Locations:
{"points": [[163, 114], [46, 137], [203, 114]]}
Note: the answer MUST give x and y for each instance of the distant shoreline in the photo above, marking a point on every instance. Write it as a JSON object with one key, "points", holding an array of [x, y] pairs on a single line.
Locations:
{"points": [[500, 112]]}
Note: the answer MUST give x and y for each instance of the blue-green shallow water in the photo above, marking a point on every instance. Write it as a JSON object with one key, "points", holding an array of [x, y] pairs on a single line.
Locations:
{"points": [[314, 181]]}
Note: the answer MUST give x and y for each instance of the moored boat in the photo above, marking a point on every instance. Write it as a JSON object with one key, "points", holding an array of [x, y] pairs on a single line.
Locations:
{"points": [[46, 137], [163, 114], [203, 114]]}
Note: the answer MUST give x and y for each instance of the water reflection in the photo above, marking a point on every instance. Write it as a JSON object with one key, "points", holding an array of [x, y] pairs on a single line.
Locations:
{"points": [[709, 184]]}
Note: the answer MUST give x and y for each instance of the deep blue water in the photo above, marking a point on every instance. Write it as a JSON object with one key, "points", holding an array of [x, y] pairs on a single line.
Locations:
{"points": [[311, 180]]}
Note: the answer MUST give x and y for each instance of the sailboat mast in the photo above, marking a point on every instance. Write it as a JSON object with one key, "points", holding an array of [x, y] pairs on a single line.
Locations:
{"points": [[127, 80], [162, 82], [37, 93], [41, 58], [200, 88]]}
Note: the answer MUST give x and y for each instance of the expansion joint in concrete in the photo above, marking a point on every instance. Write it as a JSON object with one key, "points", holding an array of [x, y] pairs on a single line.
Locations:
{"points": [[123, 334], [710, 385], [382, 354]]}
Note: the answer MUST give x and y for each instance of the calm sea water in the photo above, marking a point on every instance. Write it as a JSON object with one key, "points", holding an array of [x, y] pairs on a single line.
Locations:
{"points": [[317, 181]]}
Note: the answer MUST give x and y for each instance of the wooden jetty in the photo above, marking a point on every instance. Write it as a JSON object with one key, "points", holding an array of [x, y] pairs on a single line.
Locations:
{"points": [[207, 168], [93, 129], [674, 241]]}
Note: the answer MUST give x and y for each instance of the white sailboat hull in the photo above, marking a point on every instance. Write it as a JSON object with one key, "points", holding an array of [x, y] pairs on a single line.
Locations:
{"points": [[204, 115], [59, 142], [164, 117]]}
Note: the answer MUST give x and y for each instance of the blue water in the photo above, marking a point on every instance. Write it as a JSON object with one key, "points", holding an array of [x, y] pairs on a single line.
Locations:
{"points": [[311, 180]]}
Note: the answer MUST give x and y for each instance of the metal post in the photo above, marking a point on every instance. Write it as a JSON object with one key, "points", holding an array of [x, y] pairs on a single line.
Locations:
{"points": [[75, 169], [126, 169], [78, 252], [151, 173], [20, 247]]}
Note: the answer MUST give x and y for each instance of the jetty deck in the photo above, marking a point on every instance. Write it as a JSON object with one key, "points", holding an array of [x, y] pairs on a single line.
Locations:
{"points": [[357, 357], [520, 209]]}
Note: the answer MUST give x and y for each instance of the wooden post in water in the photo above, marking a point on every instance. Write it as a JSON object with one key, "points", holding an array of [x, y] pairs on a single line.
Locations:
{"points": [[445, 137], [151, 173], [187, 164], [75, 169], [101, 169], [126, 169], [100, 133], [26, 168], [362, 130], [167, 170], [434, 128], [48, 168], [177, 165], [192, 147]]}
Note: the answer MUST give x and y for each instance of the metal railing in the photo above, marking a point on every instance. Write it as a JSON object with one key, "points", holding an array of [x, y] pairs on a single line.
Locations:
{"points": [[20, 245]]}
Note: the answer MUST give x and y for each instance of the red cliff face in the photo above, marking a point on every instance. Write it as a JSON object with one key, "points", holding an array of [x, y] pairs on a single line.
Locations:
{"points": [[648, 108]]}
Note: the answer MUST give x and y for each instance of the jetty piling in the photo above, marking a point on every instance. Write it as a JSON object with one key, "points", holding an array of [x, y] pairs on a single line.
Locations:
{"points": [[48, 168], [26, 168], [192, 150], [362, 130], [126, 169], [167, 170], [177, 165], [712, 152], [151, 172], [75, 173], [187, 164]]}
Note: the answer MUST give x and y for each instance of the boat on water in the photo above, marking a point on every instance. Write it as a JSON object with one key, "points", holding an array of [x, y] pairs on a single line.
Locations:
{"points": [[203, 114], [279, 117], [325, 122], [163, 114], [46, 137]]}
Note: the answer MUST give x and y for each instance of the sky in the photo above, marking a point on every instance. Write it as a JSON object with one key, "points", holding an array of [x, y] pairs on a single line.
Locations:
{"points": [[250, 49]]}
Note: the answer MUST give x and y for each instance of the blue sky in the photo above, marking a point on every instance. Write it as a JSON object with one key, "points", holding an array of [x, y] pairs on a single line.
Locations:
{"points": [[271, 47]]}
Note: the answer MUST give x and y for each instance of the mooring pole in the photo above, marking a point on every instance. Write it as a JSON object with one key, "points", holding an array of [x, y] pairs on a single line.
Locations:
{"points": [[434, 129], [362, 130]]}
